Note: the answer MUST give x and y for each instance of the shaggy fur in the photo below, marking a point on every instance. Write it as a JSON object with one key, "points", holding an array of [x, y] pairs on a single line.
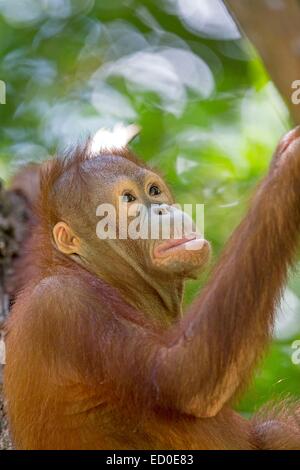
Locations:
{"points": [[87, 370]]}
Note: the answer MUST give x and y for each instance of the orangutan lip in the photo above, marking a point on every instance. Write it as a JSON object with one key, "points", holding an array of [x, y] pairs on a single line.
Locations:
{"points": [[172, 244]]}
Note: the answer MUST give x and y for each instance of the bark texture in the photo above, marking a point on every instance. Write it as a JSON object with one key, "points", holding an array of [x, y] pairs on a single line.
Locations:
{"points": [[14, 217], [273, 27]]}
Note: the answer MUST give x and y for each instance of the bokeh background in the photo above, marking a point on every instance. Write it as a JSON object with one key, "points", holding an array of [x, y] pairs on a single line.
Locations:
{"points": [[210, 114]]}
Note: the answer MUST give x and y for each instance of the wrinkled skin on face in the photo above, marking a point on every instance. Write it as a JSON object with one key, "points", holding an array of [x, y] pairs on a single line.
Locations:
{"points": [[147, 271], [142, 199]]}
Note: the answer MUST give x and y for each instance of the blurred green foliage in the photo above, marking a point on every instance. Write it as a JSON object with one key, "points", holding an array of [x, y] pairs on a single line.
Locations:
{"points": [[210, 116]]}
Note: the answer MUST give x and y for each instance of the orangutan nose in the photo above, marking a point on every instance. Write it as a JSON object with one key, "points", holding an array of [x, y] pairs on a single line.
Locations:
{"points": [[161, 209]]}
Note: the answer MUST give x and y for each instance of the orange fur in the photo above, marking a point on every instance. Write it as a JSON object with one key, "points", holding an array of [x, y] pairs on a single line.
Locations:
{"points": [[87, 370]]}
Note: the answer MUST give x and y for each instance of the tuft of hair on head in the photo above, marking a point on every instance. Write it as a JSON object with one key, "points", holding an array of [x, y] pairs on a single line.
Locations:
{"points": [[118, 138], [60, 175], [64, 176]]}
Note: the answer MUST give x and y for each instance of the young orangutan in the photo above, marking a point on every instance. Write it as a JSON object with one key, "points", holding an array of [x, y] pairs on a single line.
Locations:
{"points": [[98, 354]]}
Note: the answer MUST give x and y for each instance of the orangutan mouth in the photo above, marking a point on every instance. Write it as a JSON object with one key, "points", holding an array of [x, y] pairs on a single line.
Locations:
{"points": [[190, 242]]}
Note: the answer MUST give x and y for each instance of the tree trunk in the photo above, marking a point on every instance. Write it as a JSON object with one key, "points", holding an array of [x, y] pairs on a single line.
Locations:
{"points": [[14, 217], [273, 27]]}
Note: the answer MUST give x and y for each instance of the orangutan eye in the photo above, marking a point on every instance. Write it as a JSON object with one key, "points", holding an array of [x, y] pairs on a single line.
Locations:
{"points": [[154, 191], [128, 197]]}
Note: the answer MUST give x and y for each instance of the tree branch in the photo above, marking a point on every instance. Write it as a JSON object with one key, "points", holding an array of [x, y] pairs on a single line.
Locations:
{"points": [[273, 26]]}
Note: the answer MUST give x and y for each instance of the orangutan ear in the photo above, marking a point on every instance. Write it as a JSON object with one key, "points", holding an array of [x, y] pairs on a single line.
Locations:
{"points": [[65, 239]]}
